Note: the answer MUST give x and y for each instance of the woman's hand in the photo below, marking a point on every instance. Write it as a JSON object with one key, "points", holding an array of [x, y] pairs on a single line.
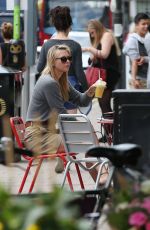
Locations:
{"points": [[85, 49], [91, 91], [140, 61], [88, 49]]}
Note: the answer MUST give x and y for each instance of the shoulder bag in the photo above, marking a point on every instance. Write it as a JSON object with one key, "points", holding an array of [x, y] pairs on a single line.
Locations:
{"points": [[94, 73]]}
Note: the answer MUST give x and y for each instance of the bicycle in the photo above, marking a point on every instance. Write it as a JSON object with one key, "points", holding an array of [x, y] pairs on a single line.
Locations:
{"points": [[123, 159]]}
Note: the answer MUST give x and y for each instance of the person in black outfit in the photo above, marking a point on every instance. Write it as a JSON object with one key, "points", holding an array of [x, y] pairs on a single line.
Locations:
{"points": [[104, 53]]}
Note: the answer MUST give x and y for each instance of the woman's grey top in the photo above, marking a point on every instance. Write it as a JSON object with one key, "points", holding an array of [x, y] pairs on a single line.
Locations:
{"points": [[47, 97], [76, 65]]}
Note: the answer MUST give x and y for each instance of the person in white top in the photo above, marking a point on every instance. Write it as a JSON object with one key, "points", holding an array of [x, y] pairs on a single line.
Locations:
{"points": [[147, 46], [136, 50]]}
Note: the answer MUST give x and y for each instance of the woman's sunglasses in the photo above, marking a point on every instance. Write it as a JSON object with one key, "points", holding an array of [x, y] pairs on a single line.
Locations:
{"points": [[64, 59]]}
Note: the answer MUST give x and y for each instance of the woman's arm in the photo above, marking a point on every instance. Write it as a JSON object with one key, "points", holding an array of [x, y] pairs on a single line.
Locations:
{"points": [[81, 99], [106, 44]]}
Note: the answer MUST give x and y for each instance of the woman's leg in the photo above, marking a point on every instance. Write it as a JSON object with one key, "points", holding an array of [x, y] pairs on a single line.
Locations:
{"points": [[59, 148], [42, 141], [105, 105], [105, 101], [94, 172]]}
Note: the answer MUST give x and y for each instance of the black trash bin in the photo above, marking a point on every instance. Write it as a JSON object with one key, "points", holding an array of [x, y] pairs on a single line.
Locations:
{"points": [[10, 93], [132, 121]]}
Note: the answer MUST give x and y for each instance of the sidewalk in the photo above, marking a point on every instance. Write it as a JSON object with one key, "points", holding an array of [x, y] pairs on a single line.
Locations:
{"points": [[11, 177]]}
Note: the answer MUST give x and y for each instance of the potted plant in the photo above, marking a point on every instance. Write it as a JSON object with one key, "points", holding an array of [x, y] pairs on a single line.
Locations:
{"points": [[130, 208], [40, 212]]}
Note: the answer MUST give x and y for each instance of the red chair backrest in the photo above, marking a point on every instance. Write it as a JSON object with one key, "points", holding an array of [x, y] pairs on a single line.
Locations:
{"points": [[18, 128]]}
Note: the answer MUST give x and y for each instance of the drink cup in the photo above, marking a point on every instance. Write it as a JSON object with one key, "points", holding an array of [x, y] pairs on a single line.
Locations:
{"points": [[99, 91]]}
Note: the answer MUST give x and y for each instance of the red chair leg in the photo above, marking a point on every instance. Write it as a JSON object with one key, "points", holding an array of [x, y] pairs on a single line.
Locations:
{"points": [[70, 181], [25, 175], [35, 175], [79, 175]]}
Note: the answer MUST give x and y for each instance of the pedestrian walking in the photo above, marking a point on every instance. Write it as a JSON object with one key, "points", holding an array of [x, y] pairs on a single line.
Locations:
{"points": [[62, 21], [136, 50]]}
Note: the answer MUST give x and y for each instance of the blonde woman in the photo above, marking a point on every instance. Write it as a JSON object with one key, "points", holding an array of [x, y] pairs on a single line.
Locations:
{"points": [[104, 53], [51, 91]]}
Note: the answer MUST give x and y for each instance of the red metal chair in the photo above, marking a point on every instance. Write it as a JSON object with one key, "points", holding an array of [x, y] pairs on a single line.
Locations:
{"points": [[106, 121], [18, 128]]}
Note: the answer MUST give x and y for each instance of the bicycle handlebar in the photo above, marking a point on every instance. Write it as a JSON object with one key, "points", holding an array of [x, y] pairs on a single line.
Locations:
{"points": [[120, 154]]}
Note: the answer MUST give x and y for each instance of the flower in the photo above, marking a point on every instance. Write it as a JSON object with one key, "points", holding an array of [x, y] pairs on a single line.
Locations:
{"points": [[138, 219], [33, 227], [130, 208], [146, 204], [148, 226]]}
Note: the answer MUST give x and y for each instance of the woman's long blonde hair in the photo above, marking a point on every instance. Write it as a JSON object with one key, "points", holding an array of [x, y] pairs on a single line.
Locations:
{"points": [[49, 69], [96, 25]]}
